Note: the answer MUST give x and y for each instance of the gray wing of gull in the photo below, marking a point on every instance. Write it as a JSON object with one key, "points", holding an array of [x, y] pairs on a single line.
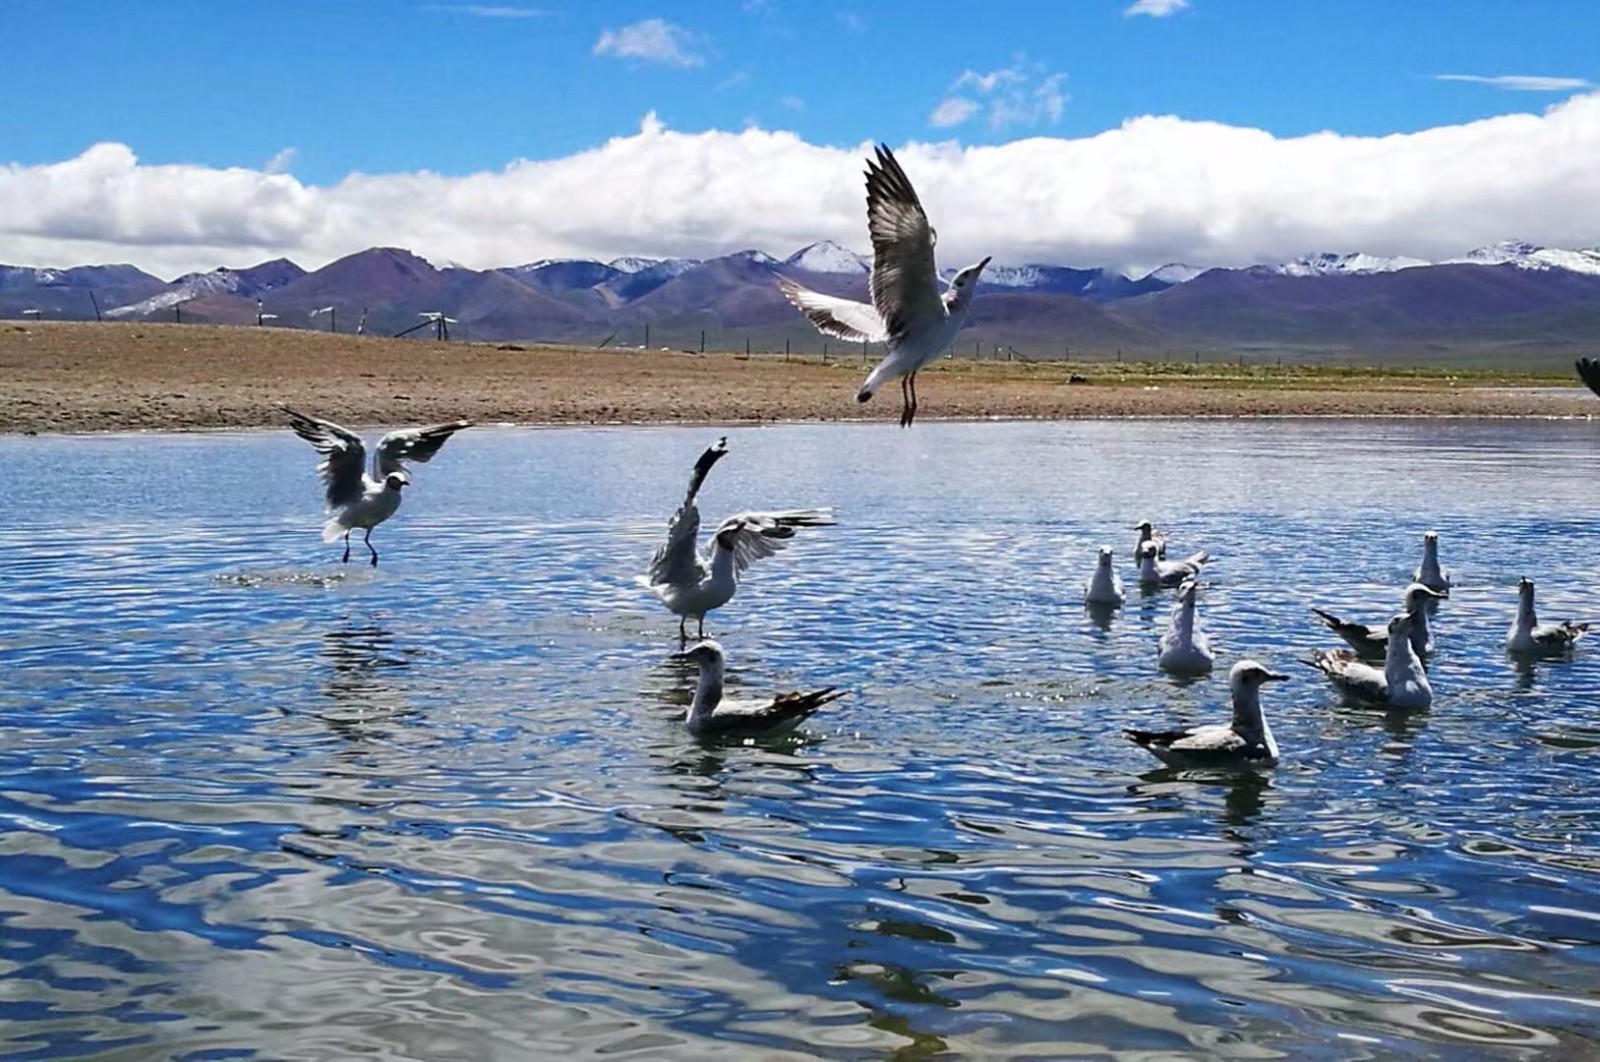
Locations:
{"points": [[413, 444], [1348, 672], [846, 319], [735, 716], [758, 535], [1589, 373], [677, 562], [905, 281], [344, 458]]}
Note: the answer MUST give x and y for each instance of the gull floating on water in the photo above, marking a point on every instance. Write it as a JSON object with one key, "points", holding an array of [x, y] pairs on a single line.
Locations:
{"points": [[1245, 742], [357, 499], [1105, 586], [1154, 572], [710, 715], [1147, 533], [692, 585], [908, 312], [1185, 650], [1371, 641], [1401, 683], [1429, 573], [1529, 637]]}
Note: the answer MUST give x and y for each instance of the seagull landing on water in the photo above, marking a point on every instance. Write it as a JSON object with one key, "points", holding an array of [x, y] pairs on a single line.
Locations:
{"points": [[355, 498], [712, 716], [1529, 637], [1429, 573], [1371, 641], [692, 585], [908, 311], [1401, 683], [1185, 649], [1245, 742]]}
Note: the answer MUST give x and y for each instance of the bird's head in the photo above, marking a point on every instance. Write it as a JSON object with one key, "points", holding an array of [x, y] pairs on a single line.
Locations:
{"points": [[1147, 550], [1145, 527], [967, 279], [1525, 587], [703, 653], [395, 481], [1400, 625], [1250, 675], [1105, 556], [1416, 594]]}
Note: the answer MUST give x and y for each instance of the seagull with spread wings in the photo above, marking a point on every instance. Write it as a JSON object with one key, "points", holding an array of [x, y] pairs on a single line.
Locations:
{"points": [[908, 311], [690, 584], [355, 497]]}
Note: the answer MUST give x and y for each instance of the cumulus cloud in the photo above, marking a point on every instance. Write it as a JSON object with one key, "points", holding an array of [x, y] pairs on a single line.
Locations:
{"points": [[655, 40], [1021, 94], [280, 162], [1156, 8], [1522, 82], [1154, 190]]}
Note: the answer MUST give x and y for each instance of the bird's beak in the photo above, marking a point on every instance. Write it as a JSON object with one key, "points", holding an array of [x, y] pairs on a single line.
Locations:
{"points": [[1434, 593], [1275, 676], [984, 262]]}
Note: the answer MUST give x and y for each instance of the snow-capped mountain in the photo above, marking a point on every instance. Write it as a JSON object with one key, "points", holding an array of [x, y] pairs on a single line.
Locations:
{"points": [[1531, 256], [825, 256], [632, 264], [1326, 264], [1172, 273], [249, 283]]}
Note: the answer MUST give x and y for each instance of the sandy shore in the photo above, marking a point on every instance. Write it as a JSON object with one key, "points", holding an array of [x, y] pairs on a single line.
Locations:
{"points": [[97, 377]]}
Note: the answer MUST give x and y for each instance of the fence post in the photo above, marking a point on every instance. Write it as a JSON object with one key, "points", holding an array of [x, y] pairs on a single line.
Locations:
{"points": [[702, 340], [647, 337], [747, 346], [785, 348]]}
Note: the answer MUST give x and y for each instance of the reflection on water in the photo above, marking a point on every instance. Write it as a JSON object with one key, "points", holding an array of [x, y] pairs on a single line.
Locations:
{"points": [[255, 806]]}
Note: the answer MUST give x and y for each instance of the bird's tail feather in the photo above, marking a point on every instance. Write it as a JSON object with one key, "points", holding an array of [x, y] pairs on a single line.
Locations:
{"points": [[333, 529]]}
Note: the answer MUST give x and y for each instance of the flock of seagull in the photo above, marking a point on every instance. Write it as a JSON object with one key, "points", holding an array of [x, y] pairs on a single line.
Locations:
{"points": [[1384, 664]]}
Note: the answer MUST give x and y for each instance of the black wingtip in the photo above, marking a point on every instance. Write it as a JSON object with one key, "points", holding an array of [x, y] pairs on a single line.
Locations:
{"points": [[1589, 373]]}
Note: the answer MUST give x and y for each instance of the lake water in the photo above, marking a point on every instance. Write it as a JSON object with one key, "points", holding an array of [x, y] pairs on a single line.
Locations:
{"points": [[254, 803]]}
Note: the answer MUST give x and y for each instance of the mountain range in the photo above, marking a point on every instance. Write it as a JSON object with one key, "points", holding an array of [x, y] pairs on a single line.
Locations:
{"points": [[1509, 298]]}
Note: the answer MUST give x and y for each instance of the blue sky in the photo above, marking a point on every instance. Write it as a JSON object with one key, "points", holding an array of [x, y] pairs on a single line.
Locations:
{"points": [[322, 90]]}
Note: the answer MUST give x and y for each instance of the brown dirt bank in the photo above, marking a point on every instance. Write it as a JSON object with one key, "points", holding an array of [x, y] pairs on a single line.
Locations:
{"points": [[60, 376]]}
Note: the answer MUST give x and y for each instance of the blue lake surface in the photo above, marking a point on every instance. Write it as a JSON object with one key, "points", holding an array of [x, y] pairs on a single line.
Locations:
{"points": [[254, 803]]}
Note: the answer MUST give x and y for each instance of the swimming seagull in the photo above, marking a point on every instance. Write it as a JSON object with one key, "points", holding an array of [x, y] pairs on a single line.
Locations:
{"points": [[712, 716], [1529, 637], [908, 311], [1371, 641], [692, 585], [1104, 587], [356, 498], [1401, 683], [1429, 573], [1185, 650], [1154, 573], [1245, 742], [1147, 533]]}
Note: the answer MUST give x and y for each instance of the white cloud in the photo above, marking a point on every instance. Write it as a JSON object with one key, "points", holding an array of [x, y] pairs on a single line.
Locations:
{"points": [[1156, 8], [488, 11], [1522, 82], [654, 40], [1155, 189], [280, 162], [1021, 94]]}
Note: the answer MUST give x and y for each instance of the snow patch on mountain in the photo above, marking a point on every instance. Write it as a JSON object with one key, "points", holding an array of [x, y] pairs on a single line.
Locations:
{"points": [[825, 256], [1526, 255], [1330, 265], [1172, 273]]}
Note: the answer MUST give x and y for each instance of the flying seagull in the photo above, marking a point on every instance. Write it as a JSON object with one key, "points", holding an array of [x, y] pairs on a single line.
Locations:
{"points": [[1529, 637], [355, 497], [908, 311], [692, 585], [710, 715], [1400, 683], [1245, 742], [1371, 641]]}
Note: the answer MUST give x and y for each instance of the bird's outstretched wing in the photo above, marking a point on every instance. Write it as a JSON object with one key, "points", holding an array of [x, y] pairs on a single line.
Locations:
{"points": [[846, 319], [344, 458], [677, 561], [1589, 373], [905, 281], [413, 444], [752, 536]]}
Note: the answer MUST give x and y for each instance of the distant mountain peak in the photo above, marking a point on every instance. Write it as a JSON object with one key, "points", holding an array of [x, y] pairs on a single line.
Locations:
{"points": [[1525, 255], [825, 256], [1325, 263]]}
